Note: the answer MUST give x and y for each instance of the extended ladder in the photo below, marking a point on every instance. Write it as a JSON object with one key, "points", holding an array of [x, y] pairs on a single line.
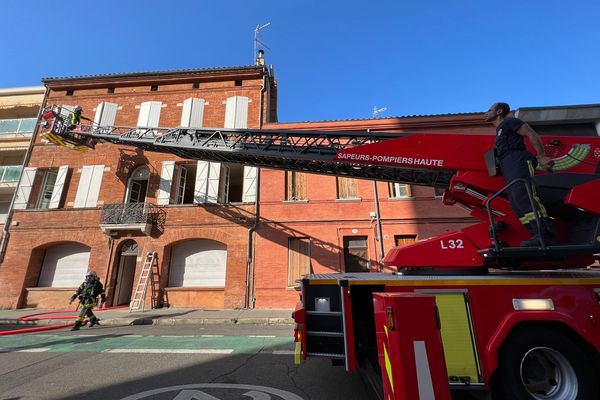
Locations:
{"points": [[139, 295]]}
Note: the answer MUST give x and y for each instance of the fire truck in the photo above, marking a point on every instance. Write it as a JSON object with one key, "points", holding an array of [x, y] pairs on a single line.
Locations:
{"points": [[466, 310]]}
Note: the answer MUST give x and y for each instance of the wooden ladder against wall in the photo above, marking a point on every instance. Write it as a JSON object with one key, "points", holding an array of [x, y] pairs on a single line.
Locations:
{"points": [[139, 295]]}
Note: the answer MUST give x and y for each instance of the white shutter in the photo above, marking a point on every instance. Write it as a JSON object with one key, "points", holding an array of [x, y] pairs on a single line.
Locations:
{"points": [[200, 189], [149, 114], [106, 113], [192, 113], [249, 184], [166, 179], [64, 265], [214, 176], [59, 185], [200, 263], [24, 189], [236, 112], [89, 186]]}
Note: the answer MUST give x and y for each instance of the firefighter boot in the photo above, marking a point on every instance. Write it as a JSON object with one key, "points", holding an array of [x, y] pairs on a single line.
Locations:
{"points": [[76, 326], [94, 321], [547, 234]]}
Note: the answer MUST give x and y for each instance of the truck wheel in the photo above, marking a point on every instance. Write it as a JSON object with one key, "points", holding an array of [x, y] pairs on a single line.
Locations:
{"points": [[543, 364]]}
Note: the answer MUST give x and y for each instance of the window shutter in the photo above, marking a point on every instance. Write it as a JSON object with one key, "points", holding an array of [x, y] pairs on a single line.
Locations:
{"points": [[89, 186], [106, 113], [193, 113], [200, 189], [166, 179], [64, 265], [298, 259], [149, 114], [249, 184], [236, 112], [24, 190], [58, 187], [214, 177]]}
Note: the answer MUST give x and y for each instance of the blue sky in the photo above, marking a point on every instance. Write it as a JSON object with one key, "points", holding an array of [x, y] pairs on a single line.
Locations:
{"points": [[332, 59]]}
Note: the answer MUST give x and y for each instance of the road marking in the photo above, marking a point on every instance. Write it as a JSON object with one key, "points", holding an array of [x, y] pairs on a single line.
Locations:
{"points": [[262, 336], [171, 351], [17, 350], [190, 392], [284, 352], [212, 335]]}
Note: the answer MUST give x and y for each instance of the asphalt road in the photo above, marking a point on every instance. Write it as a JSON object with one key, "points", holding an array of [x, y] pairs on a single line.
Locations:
{"points": [[184, 362]]}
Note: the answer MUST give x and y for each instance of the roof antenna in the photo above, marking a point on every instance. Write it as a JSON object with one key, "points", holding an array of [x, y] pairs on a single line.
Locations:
{"points": [[257, 41], [377, 111]]}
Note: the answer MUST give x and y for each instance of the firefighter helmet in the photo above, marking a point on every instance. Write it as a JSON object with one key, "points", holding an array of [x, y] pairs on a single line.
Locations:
{"points": [[91, 276]]}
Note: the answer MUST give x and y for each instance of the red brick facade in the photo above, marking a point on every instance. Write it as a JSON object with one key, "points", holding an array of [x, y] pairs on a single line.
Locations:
{"points": [[322, 219]]}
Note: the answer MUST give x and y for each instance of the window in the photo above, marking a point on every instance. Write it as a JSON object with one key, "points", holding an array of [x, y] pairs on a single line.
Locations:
{"points": [[196, 85], [89, 186], [238, 82], [138, 185], [70, 92], [403, 240], [192, 113], [346, 188], [64, 265], [198, 263], [106, 113], [298, 259], [295, 185], [45, 185], [110, 90], [153, 88], [356, 254], [399, 190]]}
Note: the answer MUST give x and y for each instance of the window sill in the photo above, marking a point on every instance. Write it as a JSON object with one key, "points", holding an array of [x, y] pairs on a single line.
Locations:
{"points": [[193, 288], [52, 289], [294, 288], [352, 200], [295, 201], [405, 198]]}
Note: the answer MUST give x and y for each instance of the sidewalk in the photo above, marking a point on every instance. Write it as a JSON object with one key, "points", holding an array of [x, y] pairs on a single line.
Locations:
{"points": [[161, 316]]}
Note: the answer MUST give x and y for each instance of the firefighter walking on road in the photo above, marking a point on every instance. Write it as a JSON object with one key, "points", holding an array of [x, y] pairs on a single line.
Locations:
{"points": [[88, 293]]}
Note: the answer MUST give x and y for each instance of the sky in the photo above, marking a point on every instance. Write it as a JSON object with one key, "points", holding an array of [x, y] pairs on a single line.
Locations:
{"points": [[333, 60]]}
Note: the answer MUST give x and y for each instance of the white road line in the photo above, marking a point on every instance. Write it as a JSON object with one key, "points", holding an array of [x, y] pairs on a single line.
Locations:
{"points": [[262, 336], [284, 352], [172, 351], [212, 335]]}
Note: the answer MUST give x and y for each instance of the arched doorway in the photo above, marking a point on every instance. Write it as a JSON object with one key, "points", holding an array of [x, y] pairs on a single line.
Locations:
{"points": [[125, 273]]}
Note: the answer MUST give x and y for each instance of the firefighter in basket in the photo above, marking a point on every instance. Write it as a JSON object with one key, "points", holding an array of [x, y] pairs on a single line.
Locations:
{"points": [[88, 293]]}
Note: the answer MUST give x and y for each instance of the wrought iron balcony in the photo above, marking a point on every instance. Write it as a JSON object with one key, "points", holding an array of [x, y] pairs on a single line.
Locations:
{"points": [[131, 216]]}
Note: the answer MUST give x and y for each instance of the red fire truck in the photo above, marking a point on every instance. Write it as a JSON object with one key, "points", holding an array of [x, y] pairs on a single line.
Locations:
{"points": [[467, 310]]}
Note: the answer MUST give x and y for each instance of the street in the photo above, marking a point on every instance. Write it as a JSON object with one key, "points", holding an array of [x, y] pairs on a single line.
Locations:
{"points": [[181, 362]]}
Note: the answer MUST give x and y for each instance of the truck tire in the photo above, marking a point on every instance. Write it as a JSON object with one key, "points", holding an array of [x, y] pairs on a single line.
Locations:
{"points": [[543, 364]]}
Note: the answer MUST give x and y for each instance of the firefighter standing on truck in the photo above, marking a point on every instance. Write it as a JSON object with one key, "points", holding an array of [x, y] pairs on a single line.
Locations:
{"points": [[88, 293], [518, 163]]}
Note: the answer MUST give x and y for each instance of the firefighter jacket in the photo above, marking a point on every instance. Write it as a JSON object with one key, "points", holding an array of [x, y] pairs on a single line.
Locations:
{"points": [[88, 292]]}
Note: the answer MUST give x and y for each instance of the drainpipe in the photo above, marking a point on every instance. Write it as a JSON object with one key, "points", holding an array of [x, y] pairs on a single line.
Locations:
{"points": [[250, 274], [5, 233]]}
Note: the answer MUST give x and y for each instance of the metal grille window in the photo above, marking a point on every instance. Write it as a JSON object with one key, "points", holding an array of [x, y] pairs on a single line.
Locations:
{"points": [[295, 186], [399, 190]]}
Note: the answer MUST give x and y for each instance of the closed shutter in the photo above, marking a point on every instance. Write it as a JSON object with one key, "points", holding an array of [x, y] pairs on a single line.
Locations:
{"points": [[236, 112], [346, 188], [249, 184], [299, 259], [149, 114], [64, 265], [59, 185], [106, 113], [166, 180], [199, 263], [201, 187], [89, 186], [214, 177], [24, 189], [192, 113]]}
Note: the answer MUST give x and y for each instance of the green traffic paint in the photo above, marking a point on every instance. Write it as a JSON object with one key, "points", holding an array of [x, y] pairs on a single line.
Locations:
{"points": [[100, 343]]}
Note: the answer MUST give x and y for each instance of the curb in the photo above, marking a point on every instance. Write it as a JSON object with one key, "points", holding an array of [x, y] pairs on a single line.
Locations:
{"points": [[160, 321]]}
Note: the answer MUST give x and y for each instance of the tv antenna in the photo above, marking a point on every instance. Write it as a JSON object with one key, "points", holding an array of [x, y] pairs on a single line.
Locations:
{"points": [[377, 111], [257, 41]]}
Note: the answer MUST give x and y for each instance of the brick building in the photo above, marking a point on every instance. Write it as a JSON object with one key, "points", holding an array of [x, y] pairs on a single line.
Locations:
{"points": [[63, 221]]}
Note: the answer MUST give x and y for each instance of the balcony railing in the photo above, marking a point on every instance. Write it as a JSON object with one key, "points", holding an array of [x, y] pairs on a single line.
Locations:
{"points": [[131, 216], [10, 173], [20, 125]]}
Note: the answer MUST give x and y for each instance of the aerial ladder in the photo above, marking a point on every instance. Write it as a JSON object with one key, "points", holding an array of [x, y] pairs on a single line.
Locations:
{"points": [[454, 162]]}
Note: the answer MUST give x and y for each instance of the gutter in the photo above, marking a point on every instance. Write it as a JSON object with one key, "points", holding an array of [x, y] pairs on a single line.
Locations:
{"points": [[22, 90], [5, 233], [250, 273]]}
